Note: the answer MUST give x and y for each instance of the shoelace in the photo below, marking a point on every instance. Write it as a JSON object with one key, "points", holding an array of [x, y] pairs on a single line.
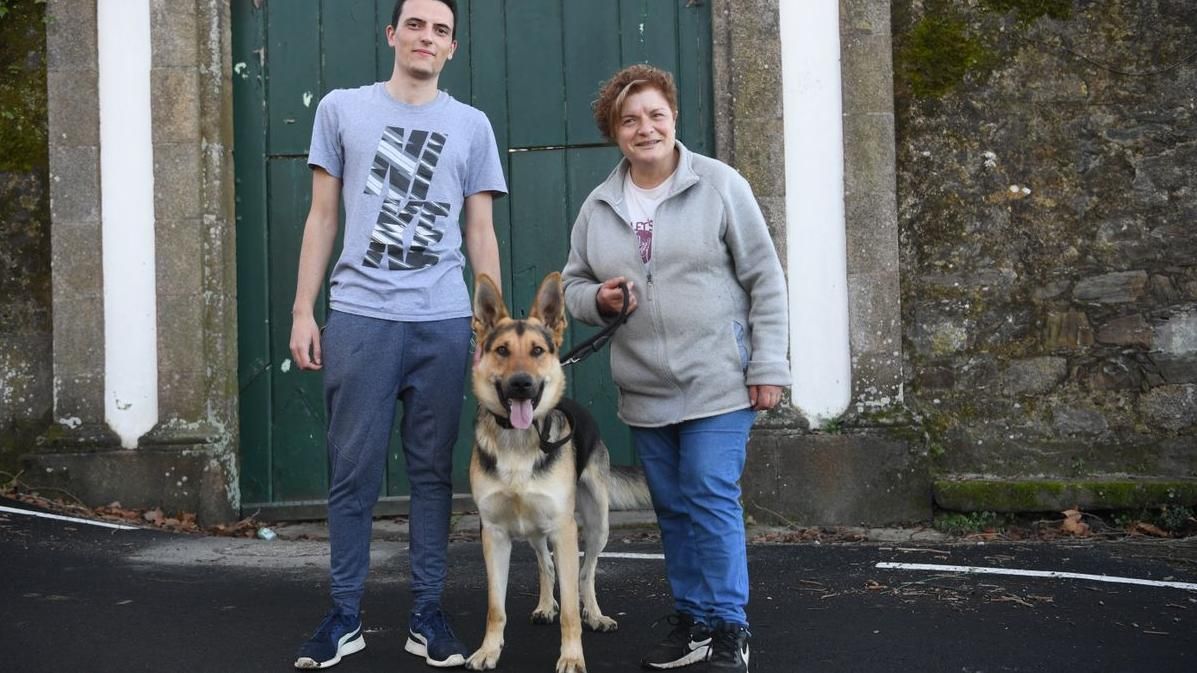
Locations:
{"points": [[439, 624], [725, 645], [330, 621]]}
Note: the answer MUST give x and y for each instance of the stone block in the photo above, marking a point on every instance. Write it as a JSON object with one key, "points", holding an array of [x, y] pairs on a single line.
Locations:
{"points": [[71, 35], [755, 61], [180, 333], [78, 337], [760, 157], [173, 33], [1119, 287], [75, 184], [1034, 376], [1172, 407], [177, 181], [1078, 421], [869, 155], [874, 312], [867, 74], [1178, 335], [182, 395], [773, 208], [1129, 330], [871, 228], [1067, 330], [79, 402], [1176, 368], [73, 108], [179, 248], [175, 105], [876, 381], [25, 376], [1041, 495], [942, 336], [851, 479], [865, 16], [177, 479], [78, 262]]}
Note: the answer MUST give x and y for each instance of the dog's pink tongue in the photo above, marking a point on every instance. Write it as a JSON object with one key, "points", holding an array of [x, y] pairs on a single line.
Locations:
{"points": [[521, 414]]}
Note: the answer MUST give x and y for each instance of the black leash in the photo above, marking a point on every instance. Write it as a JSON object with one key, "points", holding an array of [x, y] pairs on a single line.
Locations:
{"points": [[595, 343]]}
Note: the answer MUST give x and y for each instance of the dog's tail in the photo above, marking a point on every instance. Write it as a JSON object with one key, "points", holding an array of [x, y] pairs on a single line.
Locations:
{"points": [[628, 489]]}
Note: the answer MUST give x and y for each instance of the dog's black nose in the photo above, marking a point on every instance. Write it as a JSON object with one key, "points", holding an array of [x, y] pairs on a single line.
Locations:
{"points": [[520, 386]]}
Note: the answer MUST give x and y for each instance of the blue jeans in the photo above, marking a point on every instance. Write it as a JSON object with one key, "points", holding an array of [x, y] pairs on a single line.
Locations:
{"points": [[693, 470], [368, 363]]}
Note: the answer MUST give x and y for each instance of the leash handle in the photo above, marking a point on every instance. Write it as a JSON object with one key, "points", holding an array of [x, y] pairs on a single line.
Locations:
{"points": [[595, 343]]}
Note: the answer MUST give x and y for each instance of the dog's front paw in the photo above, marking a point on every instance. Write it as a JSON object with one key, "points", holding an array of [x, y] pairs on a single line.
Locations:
{"points": [[602, 623], [484, 659], [545, 615], [571, 664]]}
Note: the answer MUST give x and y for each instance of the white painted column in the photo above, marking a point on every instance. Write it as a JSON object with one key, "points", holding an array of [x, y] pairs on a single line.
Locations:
{"points": [[127, 217], [815, 236]]}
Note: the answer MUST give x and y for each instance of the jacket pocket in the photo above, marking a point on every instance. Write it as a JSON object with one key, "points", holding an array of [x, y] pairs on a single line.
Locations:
{"points": [[741, 346]]}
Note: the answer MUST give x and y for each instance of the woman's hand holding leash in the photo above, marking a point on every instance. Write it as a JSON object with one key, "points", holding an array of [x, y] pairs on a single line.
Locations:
{"points": [[610, 298]]}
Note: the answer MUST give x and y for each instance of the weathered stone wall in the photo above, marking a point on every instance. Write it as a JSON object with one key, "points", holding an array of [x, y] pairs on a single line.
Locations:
{"points": [[1047, 165], [25, 320]]}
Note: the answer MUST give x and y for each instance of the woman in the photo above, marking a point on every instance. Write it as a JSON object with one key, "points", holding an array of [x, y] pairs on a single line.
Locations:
{"points": [[704, 350]]}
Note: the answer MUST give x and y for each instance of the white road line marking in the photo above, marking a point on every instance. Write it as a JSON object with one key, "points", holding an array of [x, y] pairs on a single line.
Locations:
{"points": [[72, 519], [977, 570], [629, 555]]}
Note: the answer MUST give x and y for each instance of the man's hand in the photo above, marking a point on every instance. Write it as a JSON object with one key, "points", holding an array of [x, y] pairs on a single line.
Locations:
{"points": [[305, 342], [764, 398], [610, 298]]}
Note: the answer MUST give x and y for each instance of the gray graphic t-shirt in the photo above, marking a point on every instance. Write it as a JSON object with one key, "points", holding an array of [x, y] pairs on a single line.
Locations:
{"points": [[405, 172]]}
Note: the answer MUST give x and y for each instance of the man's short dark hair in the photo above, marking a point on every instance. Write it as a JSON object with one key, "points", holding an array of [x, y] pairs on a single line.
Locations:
{"points": [[452, 4]]}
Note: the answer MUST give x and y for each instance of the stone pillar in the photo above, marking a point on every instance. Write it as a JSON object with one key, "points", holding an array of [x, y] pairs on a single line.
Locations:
{"points": [[188, 461], [871, 210], [864, 469], [75, 235]]}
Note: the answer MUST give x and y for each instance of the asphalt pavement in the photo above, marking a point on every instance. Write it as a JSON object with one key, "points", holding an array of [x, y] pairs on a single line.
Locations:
{"points": [[77, 597]]}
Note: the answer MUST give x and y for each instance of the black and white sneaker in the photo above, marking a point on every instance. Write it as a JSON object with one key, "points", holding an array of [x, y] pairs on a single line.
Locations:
{"points": [[687, 643], [729, 649]]}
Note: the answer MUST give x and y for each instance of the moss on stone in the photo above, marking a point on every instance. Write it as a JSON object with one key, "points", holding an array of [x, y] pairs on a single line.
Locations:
{"points": [[1029, 10], [939, 53], [1044, 495], [23, 87]]}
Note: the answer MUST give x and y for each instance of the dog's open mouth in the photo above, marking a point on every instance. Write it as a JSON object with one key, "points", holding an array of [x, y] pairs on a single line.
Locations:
{"points": [[519, 406]]}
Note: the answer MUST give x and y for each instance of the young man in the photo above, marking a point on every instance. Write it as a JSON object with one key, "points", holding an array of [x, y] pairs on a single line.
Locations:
{"points": [[407, 159]]}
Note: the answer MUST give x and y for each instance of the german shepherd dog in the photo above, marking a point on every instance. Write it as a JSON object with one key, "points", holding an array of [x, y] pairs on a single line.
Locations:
{"points": [[537, 458]]}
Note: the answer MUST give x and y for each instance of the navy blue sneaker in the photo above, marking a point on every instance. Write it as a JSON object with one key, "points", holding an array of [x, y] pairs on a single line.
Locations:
{"points": [[337, 636], [430, 636]]}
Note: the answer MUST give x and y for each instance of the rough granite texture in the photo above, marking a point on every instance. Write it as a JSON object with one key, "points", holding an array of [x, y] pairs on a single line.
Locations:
{"points": [[1048, 213]]}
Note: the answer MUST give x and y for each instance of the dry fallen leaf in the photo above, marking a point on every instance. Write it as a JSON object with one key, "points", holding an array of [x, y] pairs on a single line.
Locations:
{"points": [[1073, 524], [1150, 529]]}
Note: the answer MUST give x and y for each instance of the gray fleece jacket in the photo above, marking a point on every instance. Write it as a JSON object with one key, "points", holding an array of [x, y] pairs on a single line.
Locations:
{"points": [[712, 315]]}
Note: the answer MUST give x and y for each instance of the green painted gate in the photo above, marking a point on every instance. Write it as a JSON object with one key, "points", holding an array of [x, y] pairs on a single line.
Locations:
{"points": [[534, 67]]}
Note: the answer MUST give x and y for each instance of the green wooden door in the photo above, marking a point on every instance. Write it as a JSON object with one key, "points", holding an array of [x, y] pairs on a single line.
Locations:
{"points": [[534, 67]]}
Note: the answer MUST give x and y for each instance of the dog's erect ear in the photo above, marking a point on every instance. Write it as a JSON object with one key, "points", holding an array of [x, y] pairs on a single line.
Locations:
{"points": [[549, 307], [489, 308]]}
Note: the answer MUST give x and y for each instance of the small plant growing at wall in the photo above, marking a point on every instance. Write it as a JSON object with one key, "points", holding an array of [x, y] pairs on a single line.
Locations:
{"points": [[968, 523]]}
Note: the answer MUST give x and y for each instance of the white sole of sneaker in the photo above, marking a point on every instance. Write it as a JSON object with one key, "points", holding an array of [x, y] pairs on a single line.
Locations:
{"points": [[696, 655], [345, 649], [417, 648]]}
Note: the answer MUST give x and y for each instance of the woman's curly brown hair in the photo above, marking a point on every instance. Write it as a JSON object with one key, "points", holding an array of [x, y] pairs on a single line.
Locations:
{"points": [[624, 83]]}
